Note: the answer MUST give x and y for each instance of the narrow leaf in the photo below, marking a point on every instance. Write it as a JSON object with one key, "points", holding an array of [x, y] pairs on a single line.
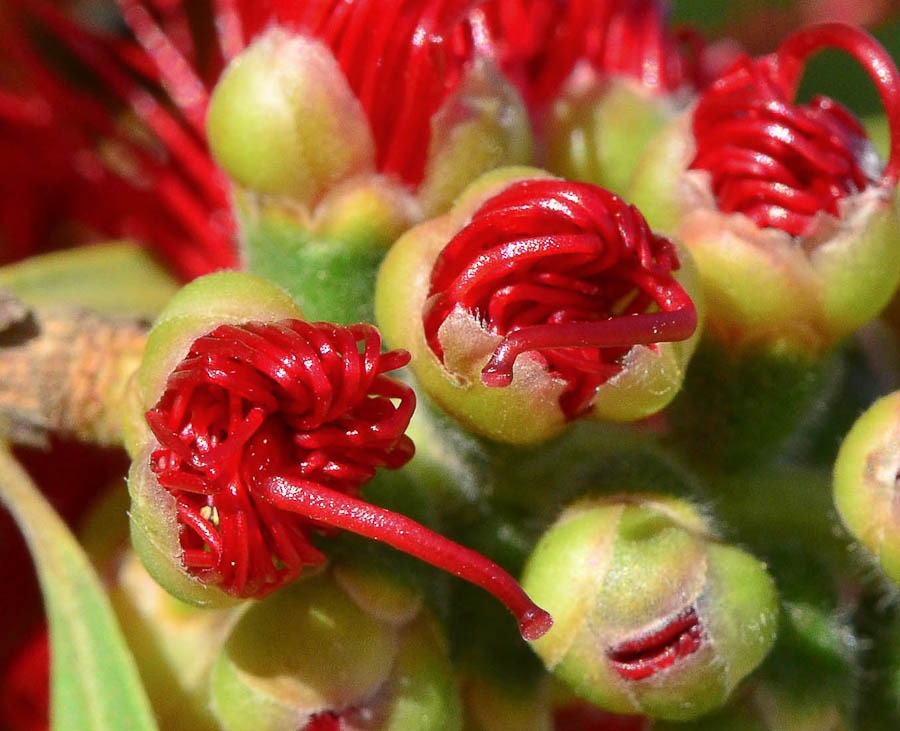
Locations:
{"points": [[116, 278], [94, 681]]}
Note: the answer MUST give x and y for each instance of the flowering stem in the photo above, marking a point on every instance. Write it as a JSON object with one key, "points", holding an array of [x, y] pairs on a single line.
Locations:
{"points": [[318, 503], [798, 47], [646, 328]]}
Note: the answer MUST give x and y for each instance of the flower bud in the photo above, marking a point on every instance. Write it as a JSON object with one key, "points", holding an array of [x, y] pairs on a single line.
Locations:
{"points": [[652, 614], [258, 435], [865, 480], [283, 121], [534, 302], [311, 653], [783, 198]]}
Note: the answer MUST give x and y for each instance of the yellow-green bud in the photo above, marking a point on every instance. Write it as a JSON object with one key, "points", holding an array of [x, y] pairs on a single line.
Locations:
{"points": [[652, 614]]}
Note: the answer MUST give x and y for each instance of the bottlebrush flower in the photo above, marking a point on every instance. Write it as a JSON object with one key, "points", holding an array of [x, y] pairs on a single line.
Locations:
{"points": [[653, 614], [102, 154], [334, 665], [536, 301], [258, 433], [783, 198]]}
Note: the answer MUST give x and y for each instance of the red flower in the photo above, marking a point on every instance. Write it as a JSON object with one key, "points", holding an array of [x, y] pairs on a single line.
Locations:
{"points": [[568, 270], [782, 163], [268, 431]]}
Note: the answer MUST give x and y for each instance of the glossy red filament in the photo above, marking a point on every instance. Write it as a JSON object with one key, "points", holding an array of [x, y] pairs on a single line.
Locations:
{"points": [[402, 59], [268, 431], [782, 163], [567, 270]]}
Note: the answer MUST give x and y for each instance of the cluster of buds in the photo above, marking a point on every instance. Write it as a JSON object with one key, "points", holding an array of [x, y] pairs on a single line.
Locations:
{"points": [[584, 364]]}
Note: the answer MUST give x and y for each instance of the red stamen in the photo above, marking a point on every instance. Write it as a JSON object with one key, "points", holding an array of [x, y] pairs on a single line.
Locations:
{"points": [[268, 431], [565, 269], [781, 163], [646, 655]]}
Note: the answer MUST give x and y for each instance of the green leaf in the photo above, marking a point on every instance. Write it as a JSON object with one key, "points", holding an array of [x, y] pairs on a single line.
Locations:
{"points": [[94, 680], [118, 278]]}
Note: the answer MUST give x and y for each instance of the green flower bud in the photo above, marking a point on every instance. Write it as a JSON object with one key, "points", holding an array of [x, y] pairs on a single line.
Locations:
{"points": [[311, 650], [283, 120], [865, 481], [473, 358], [598, 133], [652, 615]]}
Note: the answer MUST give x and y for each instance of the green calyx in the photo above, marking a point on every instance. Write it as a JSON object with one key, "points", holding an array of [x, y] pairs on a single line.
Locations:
{"points": [[597, 134], [197, 309], [311, 649], [865, 482], [283, 121], [819, 287], [652, 614]]}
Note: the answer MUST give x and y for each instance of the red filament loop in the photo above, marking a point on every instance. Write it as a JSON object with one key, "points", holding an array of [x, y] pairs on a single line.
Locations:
{"points": [[567, 270], [267, 431], [780, 163]]}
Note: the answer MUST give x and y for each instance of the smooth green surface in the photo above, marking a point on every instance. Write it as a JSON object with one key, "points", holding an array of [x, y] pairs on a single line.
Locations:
{"points": [[94, 681]]}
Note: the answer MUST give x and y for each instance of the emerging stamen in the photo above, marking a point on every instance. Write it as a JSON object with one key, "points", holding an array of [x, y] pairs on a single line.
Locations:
{"points": [[566, 270], [781, 163], [267, 432], [643, 656]]}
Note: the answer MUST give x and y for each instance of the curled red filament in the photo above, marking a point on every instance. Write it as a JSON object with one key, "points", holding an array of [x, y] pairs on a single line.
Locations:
{"points": [[567, 270], [539, 43], [267, 431], [402, 58], [252, 398], [780, 163]]}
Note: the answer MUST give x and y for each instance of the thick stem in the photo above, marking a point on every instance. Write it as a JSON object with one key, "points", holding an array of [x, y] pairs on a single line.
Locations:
{"points": [[796, 49], [617, 332], [321, 504]]}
